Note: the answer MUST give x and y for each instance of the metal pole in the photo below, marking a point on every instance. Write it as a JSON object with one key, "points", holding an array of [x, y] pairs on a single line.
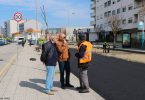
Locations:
{"points": [[17, 42], [143, 38], [36, 7]]}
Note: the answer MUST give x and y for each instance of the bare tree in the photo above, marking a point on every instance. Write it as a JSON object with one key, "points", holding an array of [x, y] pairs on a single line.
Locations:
{"points": [[141, 12], [44, 16], [114, 22]]}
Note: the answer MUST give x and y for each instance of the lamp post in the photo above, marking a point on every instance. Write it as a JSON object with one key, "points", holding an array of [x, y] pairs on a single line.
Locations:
{"points": [[36, 11]]}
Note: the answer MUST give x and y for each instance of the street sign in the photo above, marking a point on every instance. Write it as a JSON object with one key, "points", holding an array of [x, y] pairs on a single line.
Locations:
{"points": [[18, 17]]}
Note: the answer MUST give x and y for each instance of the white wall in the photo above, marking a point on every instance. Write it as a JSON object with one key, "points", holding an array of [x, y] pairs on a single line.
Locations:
{"points": [[32, 24], [13, 27]]}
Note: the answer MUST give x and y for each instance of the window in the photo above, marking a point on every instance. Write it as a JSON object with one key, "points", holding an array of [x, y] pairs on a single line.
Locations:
{"points": [[124, 9], [101, 17], [113, 12], [130, 20], [97, 17], [105, 4], [105, 14], [118, 10], [113, 2], [124, 21], [118, 0], [109, 13], [130, 7], [109, 3]]}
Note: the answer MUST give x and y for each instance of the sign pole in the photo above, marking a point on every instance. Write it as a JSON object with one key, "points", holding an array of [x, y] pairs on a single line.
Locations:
{"points": [[17, 42], [17, 18], [143, 38]]}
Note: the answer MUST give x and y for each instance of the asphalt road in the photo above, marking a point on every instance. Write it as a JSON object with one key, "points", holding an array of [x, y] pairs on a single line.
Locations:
{"points": [[7, 52], [114, 79]]}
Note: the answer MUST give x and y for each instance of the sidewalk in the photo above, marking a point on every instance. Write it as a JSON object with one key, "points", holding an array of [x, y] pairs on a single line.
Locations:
{"points": [[25, 81], [129, 56]]}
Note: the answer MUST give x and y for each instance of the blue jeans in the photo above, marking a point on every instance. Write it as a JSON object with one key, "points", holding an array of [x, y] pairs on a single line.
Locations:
{"points": [[64, 66], [49, 78]]}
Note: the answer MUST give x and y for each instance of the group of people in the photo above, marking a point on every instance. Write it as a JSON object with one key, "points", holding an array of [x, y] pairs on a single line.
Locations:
{"points": [[106, 47], [56, 50]]}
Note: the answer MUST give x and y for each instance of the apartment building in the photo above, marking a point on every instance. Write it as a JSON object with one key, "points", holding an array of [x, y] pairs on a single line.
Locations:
{"points": [[127, 12], [10, 27], [27, 24]]}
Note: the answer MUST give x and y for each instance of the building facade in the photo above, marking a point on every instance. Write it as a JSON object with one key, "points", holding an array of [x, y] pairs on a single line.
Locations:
{"points": [[128, 16], [2, 31], [11, 27], [27, 24]]}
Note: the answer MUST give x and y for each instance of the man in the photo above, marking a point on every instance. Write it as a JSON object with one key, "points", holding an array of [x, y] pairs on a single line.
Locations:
{"points": [[104, 47], [49, 57], [84, 58], [64, 65]]}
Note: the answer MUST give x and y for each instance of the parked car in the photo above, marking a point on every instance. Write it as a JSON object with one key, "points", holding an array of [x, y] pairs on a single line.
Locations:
{"points": [[2, 42]]}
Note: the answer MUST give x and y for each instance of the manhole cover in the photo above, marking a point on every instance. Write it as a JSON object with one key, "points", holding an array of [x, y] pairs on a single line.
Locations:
{"points": [[32, 59]]}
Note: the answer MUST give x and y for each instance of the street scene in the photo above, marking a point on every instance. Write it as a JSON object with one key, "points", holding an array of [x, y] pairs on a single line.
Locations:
{"points": [[72, 50]]}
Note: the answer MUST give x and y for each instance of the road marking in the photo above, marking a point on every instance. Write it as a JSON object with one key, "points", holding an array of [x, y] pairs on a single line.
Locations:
{"points": [[8, 65]]}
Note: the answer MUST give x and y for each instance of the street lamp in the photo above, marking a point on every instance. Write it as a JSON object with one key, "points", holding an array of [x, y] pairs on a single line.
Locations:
{"points": [[36, 11]]}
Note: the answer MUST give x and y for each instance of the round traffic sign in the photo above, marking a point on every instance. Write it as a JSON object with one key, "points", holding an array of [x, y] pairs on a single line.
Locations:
{"points": [[18, 16]]}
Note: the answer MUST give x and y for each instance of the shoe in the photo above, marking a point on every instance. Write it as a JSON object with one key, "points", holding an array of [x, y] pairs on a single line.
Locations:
{"points": [[50, 93], [69, 85], [63, 87], [53, 90], [84, 91], [79, 88]]}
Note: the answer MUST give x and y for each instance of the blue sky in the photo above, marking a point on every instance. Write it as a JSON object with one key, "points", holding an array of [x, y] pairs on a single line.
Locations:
{"points": [[60, 13]]}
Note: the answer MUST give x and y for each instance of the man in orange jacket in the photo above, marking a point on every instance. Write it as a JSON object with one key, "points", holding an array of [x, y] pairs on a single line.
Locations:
{"points": [[64, 56], [84, 58]]}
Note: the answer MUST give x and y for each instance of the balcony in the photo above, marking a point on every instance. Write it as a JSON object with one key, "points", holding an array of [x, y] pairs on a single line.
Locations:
{"points": [[138, 0], [93, 14], [93, 23], [93, 6]]}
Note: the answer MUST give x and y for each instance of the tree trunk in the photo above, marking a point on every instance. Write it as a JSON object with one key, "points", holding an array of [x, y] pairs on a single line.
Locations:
{"points": [[114, 43]]}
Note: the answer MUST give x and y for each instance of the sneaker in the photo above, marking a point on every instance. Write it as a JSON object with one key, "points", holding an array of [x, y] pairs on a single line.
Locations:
{"points": [[50, 93], [79, 88], [69, 85], [63, 87], [84, 91], [54, 90]]}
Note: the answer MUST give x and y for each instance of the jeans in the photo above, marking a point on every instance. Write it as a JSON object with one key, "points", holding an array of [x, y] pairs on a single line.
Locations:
{"points": [[49, 78], [64, 66]]}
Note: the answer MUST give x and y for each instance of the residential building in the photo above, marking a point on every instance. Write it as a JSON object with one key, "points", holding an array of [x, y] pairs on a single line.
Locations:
{"points": [[11, 27], [127, 12], [27, 24], [93, 12], [2, 31]]}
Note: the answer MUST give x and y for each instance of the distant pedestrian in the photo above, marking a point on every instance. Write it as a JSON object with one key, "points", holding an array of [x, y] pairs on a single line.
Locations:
{"points": [[49, 57], [108, 47], [104, 47], [30, 42], [23, 42], [64, 64], [84, 56]]}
